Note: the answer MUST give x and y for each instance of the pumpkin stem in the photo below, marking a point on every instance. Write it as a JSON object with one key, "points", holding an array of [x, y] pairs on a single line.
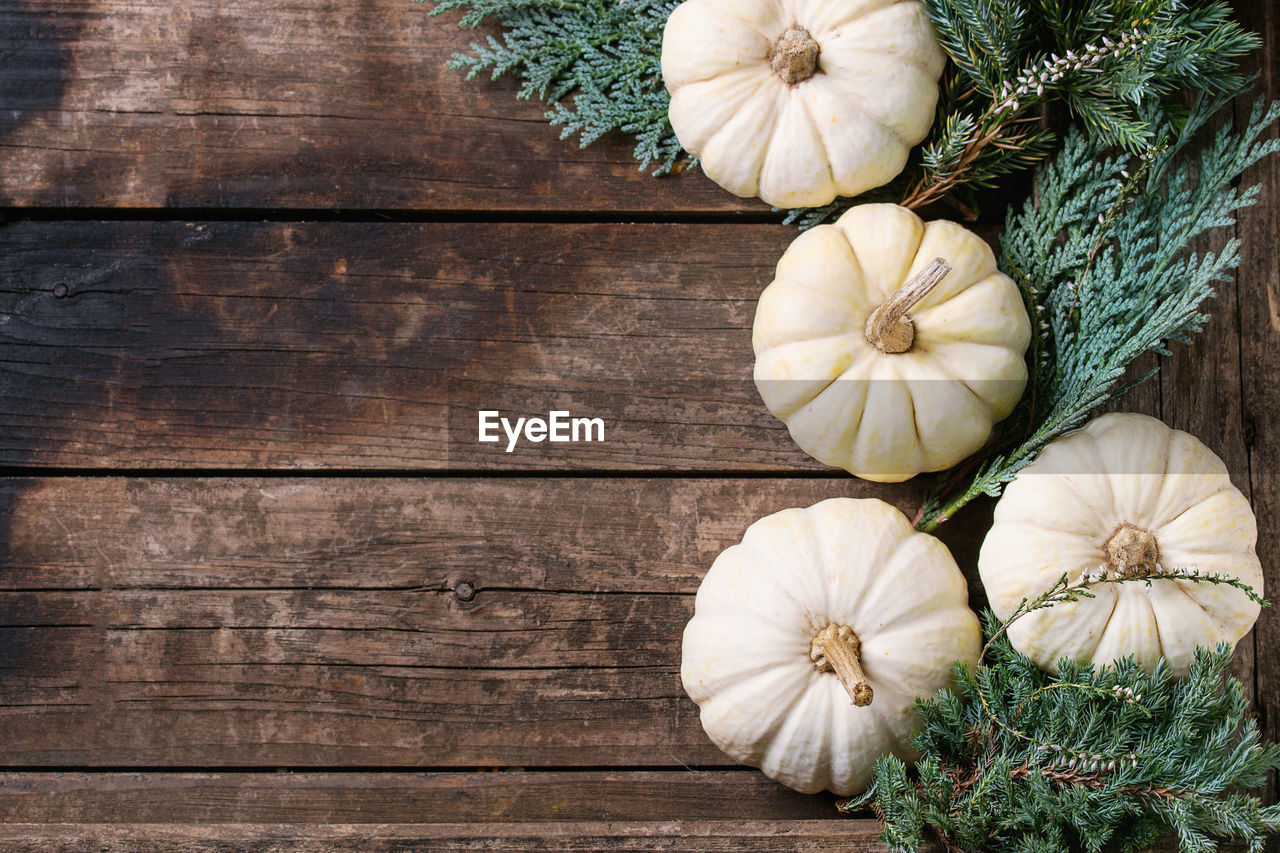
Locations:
{"points": [[837, 649], [889, 329], [794, 56], [1132, 551]]}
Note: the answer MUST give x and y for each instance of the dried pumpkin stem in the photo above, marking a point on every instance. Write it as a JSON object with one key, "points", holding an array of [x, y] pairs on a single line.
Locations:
{"points": [[889, 329], [1132, 551], [837, 649], [794, 56]]}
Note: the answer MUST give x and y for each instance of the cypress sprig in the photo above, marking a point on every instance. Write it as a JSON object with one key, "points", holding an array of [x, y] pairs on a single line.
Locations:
{"points": [[597, 64], [1103, 256]]}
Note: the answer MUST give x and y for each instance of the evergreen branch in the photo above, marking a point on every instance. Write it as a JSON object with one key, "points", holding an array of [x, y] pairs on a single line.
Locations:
{"points": [[1105, 264], [597, 64], [1064, 591], [1111, 756], [1018, 759], [992, 146], [1116, 65]]}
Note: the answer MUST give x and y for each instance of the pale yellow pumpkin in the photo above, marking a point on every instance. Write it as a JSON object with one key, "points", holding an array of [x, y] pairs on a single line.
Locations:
{"points": [[798, 101], [812, 639], [1123, 496], [877, 362]]}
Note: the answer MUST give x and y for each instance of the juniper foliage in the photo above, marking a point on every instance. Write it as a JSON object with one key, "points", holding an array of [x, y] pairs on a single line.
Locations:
{"points": [[1018, 759], [1103, 256], [597, 64]]}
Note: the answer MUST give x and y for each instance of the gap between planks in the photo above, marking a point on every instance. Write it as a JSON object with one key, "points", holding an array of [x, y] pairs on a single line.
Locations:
{"points": [[401, 797], [748, 836]]}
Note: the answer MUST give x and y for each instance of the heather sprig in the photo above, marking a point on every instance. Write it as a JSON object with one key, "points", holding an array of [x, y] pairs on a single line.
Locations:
{"points": [[1116, 66]]}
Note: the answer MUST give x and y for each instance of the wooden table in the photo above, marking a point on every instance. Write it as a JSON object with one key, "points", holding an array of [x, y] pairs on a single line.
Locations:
{"points": [[261, 588]]}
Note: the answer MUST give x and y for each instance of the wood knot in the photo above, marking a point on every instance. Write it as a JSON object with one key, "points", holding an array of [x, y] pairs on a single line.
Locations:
{"points": [[794, 57]]}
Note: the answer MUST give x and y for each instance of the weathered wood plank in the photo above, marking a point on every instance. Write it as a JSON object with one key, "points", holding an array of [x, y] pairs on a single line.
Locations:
{"points": [[506, 797], [1201, 394], [346, 623], [202, 713], [360, 346], [586, 535], [364, 346], [855, 836], [571, 535], [1258, 319], [310, 103]]}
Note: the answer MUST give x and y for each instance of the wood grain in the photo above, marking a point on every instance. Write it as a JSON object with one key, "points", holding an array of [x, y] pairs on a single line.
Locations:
{"points": [[440, 623], [650, 536], [1258, 319], [506, 797], [308, 103], [443, 624], [356, 346], [748, 836], [1200, 389]]}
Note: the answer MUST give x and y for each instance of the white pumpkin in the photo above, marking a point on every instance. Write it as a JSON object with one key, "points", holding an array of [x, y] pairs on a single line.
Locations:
{"points": [[876, 361], [814, 607], [798, 101], [1120, 497]]}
